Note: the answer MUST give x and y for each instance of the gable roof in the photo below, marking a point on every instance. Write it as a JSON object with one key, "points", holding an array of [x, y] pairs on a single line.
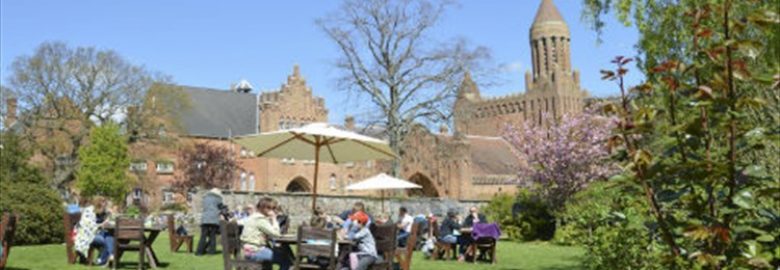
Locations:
{"points": [[491, 156], [220, 113]]}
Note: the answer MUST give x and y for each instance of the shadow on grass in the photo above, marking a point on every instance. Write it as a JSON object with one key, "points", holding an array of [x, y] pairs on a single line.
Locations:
{"points": [[14, 268]]}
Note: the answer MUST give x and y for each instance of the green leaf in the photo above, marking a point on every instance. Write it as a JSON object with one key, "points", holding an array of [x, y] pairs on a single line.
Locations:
{"points": [[744, 199], [765, 238]]}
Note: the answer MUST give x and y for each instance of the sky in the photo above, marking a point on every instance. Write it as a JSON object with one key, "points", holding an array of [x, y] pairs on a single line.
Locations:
{"points": [[216, 43]]}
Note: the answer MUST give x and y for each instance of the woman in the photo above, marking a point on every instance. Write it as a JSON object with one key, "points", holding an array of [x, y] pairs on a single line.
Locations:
{"points": [[90, 232], [260, 226]]}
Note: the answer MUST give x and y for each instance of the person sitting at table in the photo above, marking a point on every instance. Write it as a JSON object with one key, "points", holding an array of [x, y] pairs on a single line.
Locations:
{"points": [[90, 232], [404, 224], [474, 217], [449, 231], [346, 215], [209, 223], [261, 226], [366, 253]]}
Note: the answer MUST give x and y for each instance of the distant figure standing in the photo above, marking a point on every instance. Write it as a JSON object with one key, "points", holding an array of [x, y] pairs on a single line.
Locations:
{"points": [[404, 224], [209, 222]]}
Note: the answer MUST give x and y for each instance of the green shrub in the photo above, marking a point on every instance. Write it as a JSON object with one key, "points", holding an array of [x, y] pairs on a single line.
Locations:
{"points": [[24, 191], [524, 217], [585, 212], [174, 207], [621, 246]]}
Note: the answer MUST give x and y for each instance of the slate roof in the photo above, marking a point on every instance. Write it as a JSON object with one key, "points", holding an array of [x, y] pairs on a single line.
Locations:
{"points": [[491, 156], [220, 113]]}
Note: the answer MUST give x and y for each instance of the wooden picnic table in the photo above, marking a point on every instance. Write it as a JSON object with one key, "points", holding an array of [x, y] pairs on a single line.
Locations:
{"points": [[153, 231], [345, 245]]}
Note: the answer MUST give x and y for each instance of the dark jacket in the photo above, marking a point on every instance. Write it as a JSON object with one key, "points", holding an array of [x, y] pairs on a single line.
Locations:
{"points": [[448, 226], [469, 221], [211, 202]]}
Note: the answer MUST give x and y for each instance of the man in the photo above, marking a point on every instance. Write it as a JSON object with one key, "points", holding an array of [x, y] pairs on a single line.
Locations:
{"points": [[474, 217], [404, 224], [209, 222]]}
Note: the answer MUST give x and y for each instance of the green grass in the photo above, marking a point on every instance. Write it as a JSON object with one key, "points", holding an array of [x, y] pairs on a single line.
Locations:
{"points": [[511, 256]]}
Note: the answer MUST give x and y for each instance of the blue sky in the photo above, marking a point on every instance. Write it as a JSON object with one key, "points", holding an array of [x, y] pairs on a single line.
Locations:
{"points": [[216, 43]]}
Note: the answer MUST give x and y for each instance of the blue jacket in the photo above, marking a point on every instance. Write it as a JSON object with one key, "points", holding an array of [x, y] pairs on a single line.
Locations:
{"points": [[210, 208]]}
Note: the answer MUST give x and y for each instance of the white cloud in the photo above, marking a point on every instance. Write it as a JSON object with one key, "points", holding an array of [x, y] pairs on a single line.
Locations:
{"points": [[512, 67]]}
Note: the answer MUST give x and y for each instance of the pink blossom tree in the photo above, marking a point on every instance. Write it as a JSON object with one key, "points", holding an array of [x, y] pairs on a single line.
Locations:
{"points": [[561, 157]]}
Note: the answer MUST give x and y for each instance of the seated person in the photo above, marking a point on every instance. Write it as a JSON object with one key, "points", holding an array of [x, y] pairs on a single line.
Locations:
{"points": [[449, 232], [361, 235], [257, 229], [404, 224], [346, 215], [474, 217], [90, 232]]}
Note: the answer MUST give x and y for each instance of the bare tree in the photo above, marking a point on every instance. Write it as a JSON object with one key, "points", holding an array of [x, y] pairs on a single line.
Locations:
{"points": [[388, 56], [63, 92]]}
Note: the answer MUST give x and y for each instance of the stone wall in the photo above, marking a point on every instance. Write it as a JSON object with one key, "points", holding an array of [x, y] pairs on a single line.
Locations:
{"points": [[298, 206]]}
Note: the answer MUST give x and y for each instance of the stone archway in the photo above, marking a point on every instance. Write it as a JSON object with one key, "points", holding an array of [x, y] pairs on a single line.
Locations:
{"points": [[298, 184], [428, 188]]}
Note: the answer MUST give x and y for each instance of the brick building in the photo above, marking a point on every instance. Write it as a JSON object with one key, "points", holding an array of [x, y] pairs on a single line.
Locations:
{"points": [[471, 162]]}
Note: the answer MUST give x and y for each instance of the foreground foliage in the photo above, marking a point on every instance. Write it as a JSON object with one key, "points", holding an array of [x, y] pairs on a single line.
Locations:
{"points": [[699, 139]]}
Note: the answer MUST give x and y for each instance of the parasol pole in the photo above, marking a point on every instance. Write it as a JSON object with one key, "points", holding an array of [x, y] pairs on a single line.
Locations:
{"points": [[383, 200], [316, 171]]}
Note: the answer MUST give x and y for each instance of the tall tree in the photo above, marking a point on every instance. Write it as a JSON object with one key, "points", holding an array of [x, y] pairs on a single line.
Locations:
{"points": [[387, 54], [103, 164], [206, 165], [562, 158], [64, 92]]}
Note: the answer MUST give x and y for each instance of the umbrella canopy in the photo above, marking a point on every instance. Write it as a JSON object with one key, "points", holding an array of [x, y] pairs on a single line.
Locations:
{"points": [[300, 143], [382, 181], [318, 142]]}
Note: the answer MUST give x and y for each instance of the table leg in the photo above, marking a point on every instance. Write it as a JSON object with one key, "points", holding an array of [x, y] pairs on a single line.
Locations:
{"points": [[153, 261]]}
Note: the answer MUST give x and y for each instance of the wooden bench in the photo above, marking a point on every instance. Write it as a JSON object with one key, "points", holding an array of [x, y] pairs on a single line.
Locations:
{"points": [[231, 249], [7, 230], [177, 240], [404, 255], [70, 221], [441, 249], [310, 245]]}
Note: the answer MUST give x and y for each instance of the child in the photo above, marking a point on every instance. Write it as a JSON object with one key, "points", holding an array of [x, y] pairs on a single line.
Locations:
{"points": [[366, 255]]}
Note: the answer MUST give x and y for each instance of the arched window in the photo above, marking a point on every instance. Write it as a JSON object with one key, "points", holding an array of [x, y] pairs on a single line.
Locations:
{"points": [[251, 182], [243, 181], [332, 181], [349, 180]]}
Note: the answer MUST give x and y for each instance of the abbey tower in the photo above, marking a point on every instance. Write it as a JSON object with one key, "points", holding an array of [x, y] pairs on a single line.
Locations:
{"points": [[552, 87]]}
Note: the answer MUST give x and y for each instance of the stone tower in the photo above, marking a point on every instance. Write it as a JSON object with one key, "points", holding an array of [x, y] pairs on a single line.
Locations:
{"points": [[552, 87]]}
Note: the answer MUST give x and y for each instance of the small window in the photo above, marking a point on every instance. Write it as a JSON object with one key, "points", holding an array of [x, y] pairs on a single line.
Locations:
{"points": [[164, 167], [349, 181], [251, 182], [138, 166], [370, 164], [243, 152], [167, 196], [349, 164], [332, 181], [243, 181]]}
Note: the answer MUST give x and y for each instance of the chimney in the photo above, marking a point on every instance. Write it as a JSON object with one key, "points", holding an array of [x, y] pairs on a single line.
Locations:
{"points": [[443, 129], [349, 123], [10, 116]]}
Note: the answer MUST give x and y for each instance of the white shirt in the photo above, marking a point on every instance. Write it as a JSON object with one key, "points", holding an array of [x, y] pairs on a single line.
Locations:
{"points": [[407, 221]]}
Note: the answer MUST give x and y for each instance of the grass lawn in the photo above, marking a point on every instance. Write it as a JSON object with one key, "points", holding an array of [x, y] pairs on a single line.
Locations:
{"points": [[511, 256]]}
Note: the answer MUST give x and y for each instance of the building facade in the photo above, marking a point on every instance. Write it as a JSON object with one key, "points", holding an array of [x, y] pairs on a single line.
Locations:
{"points": [[471, 162]]}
